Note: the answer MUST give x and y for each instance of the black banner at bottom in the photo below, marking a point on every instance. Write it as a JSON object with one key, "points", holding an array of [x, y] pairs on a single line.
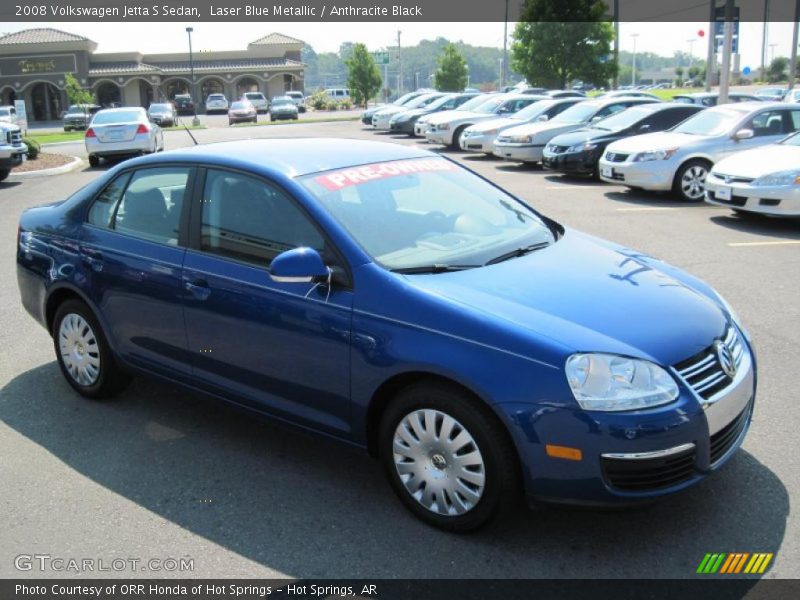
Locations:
{"points": [[396, 589]]}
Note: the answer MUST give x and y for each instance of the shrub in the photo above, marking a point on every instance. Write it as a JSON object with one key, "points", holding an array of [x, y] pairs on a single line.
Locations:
{"points": [[331, 104], [346, 104], [318, 100], [34, 148]]}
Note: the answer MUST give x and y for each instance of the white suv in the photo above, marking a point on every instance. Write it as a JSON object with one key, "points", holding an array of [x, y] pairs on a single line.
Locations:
{"points": [[216, 103], [298, 98], [12, 149], [258, 100]]}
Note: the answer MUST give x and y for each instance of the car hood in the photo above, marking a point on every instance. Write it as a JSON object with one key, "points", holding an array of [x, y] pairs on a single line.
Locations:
{"points": [[761, 161], [548, 129], [453, 115], [588, 295], [657, 141], [415, 112], [492, 124], [390, 110], [583, 135]]}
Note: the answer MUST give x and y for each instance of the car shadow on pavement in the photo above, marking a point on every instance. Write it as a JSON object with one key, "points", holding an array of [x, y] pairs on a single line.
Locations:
{"points": [[574, 180], [786, 228], [7, 185], [520, 167], [647, 198], [307, 506]]}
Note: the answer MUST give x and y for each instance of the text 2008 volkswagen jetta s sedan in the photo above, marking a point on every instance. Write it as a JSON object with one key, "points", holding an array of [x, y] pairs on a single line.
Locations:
{"points": [[390, 298]]}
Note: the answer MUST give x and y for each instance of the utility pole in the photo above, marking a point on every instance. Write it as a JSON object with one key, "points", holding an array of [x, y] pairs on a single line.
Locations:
{"points": [[615, 83], [195, 119], [399, 67], [712, 41], [504, 71], [727, 45], [793, 58], [633, 71], [764, 42]]}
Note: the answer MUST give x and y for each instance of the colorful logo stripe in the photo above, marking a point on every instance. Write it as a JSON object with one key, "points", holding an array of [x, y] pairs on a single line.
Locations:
{"points": [[735, 562]]}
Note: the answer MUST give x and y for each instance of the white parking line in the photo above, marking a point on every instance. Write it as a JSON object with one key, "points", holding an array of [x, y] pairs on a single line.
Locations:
{"points": [[645, 208], [569, 186], [780, 243]]}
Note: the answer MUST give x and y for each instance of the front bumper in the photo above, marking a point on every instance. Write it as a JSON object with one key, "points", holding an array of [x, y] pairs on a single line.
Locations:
{"points": [[779, 201], [75, 124], [16, 155], [656, 175], [141, 143], [518, 152], [631, 457], [402, 127], [420, 129], [439, 136], [283, 115], [573, 163], [477, 143], [232, 118]]}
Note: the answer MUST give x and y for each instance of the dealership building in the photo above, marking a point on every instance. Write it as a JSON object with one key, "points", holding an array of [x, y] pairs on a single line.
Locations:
{"points": [[34, 62]]}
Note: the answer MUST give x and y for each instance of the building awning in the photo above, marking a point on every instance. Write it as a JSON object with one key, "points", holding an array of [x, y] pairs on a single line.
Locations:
{"points": [[122, 68], [245, 64]]}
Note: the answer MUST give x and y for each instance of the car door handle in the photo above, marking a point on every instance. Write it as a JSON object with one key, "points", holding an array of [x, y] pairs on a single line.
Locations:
{"points": [[198, 288], [94, 259]]}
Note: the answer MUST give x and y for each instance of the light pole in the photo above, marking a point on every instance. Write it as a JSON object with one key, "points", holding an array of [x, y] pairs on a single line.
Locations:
{"points": [[504, 70], [195, 119], [691, 51], [633, 71], [399, 67]]}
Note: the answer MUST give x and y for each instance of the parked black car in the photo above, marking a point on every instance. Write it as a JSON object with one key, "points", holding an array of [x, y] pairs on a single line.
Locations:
{"points": [[78, 116], [404, 122], [578, 152], [184, 105]]}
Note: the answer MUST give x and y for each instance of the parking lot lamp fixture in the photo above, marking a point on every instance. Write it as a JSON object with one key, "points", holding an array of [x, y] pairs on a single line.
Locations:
{"points": [[195, 119]]}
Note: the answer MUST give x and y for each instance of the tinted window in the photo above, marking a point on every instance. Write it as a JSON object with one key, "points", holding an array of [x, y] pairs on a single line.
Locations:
{"points": [[151, 205], [247, 219], [770, 122], [122, 116], [103, 207], [795, 120]]}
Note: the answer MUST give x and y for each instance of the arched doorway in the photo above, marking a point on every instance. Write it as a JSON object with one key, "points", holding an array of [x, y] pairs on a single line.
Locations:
{"points": [[46, 102], [8, 96], [173, 87], [211, 86], [246, 84], [108, 94]]}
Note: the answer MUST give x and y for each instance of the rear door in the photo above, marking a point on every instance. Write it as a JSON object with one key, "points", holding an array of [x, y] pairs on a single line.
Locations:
{"points": [[768, 126], [132, 250]]}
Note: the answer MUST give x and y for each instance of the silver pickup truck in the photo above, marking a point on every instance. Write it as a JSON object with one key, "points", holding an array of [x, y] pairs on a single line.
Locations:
{"points": [[12, 149]]}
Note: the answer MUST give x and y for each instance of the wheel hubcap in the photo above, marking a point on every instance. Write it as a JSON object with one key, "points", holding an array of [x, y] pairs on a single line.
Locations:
{"points": [[693, 182], [439, 462], [80, 352]]}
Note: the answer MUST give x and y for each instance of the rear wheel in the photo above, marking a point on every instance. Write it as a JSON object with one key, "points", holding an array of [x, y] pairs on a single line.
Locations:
{"points": [[447, 457], [690, 181], [83, 353], [456, 136], [94, 160], [4, 173]]}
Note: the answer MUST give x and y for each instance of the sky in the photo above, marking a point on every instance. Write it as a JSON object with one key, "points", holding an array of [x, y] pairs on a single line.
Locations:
{"points": [[660, 38]]}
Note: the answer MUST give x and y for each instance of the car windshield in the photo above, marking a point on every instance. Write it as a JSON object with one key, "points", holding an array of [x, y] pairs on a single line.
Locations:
{"points": [[122, 116], [78, 110], [406, 98], [427, 214], [473, 103], [439, 102], [577, 114], [254, 96], [4, 112], [295, 94], [490, 105], [534, 110], [712, 121], [241, 105], [278, 100], [216, 97], [423, 100], [624, 119], [160, 108]]}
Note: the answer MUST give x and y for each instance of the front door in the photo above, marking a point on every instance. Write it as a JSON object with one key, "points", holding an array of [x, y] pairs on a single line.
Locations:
{"points": [[281, 347]]}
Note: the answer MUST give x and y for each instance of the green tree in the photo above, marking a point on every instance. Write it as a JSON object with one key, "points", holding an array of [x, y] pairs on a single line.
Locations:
{"points": [[776, 71], [678, 76], [451, 70], [75, 93], [363, 76], [557, 42]]}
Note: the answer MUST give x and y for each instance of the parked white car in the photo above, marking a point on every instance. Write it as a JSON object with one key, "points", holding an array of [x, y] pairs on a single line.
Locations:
{"points": [[116, 132], [421, 126], [447, 127], [680, 159], [792, 96], [13, 150], [258, 100], [381, 118], [298, 98], [216, 103], [525, 143], [765, 180], [481, 136]]}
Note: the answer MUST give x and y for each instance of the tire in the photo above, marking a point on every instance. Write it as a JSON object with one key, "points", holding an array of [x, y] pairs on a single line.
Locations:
{"points": [[456, 135], [4, 173], [83, 354], [690, 179], [94, 160], [470, 497]]}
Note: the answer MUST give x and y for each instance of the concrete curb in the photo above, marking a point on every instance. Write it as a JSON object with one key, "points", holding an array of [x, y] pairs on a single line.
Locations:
{"points": [[71, 166]]}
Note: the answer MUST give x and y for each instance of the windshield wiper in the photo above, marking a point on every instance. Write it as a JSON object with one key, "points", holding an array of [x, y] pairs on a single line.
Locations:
{"points": [[518, 252], [435, 268]]}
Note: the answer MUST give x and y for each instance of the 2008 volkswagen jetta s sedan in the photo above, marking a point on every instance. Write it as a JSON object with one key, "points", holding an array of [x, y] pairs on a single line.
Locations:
{"points": [[394, 300]]}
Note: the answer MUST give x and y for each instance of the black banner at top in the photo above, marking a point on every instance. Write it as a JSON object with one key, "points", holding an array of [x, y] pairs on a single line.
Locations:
{"points": [[369, 10]]}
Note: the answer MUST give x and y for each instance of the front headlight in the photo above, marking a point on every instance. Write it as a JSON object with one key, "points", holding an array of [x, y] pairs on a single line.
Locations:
{"points": [[609, 382], [487, 132], [779, 178], [443, 126], [520, 139], [582, 147], [662, 154]]}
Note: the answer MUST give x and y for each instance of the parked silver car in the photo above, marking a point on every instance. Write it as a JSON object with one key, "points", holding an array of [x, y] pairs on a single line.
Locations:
{"points": [[125, 131], [162, 113], [681, 158], [282, 107]]}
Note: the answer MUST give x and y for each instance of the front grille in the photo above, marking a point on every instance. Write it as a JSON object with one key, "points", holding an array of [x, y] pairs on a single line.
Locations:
{"points": [[557, 149], [732, 178], [616, 157], [504, 139], [642, 475], [722, 441], [734, 201], [703, 372], [14, 138]]}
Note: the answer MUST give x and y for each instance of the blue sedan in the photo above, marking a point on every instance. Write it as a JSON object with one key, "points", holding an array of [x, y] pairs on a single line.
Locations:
{"points": [[392, 299]]}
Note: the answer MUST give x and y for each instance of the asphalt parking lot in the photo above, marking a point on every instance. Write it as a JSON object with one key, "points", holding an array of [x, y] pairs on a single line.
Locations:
{"points": [[162, 473]]}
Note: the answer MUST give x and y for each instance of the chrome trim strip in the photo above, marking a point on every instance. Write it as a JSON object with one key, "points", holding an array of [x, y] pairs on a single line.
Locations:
{"points": [[648, 455]]}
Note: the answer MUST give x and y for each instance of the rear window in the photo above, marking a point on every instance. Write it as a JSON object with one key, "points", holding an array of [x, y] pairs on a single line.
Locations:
{"points": [[122, 116], [254, 95]]}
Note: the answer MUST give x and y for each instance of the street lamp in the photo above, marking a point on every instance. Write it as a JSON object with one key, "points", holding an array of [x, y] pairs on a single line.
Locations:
{"points": [[195, 119], [691, 53], [633, 71]]}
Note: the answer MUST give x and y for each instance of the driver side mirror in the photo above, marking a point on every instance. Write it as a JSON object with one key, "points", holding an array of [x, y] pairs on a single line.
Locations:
{"points": [[743, 134], [298, 265], [543, 118], [644, 128], [595, 120]]}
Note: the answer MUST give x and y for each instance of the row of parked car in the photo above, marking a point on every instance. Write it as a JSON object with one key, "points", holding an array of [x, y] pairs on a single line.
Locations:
{"points": [[742, 154]]}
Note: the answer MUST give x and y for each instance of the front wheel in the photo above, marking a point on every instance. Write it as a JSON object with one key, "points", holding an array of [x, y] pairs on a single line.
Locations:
{"points": [[690, 181], [83, 353], [4, 173], [447, 457], [457, 136]]}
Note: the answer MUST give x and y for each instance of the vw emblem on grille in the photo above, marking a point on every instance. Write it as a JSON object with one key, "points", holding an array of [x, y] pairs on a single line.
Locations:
{"points": [[725, 358]]}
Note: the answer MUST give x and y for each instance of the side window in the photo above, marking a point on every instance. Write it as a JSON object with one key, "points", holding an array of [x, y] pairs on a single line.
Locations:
{"points": [[151, 205], [104, 205], [609, 110], [769, 122], [249, 220], [795, 119]]}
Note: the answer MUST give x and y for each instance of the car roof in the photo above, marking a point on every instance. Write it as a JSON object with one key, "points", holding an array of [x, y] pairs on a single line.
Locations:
{"points": [[121, 109], [291, 156]]}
